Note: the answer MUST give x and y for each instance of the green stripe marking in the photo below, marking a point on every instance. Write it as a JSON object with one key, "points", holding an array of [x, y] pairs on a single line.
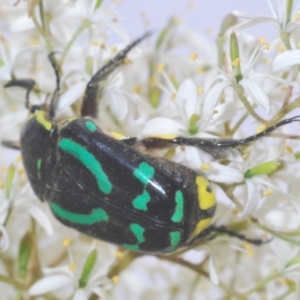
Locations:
{"points": [[178, 214], [141, 201], [88, 160], [131, 247], [38, 166], [175, 237], [90, 126], [97, 215], [144, 173], [138, 231]]}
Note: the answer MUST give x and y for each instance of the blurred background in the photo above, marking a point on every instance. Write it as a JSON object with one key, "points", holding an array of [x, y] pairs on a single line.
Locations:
{"points": [[205, 17]]}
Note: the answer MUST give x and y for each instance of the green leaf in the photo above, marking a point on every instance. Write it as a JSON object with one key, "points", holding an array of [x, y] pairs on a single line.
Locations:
{"points": [[24, 254], [9, 179], [88, 267], [264, 168]]}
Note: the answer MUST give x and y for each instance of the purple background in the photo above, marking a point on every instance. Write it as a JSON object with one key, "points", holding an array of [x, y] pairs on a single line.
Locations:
{"points": [[205, 18]]}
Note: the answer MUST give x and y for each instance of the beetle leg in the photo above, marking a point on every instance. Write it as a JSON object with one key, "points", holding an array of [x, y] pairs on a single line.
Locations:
{"points": [[55, 95], [89, 105], [27, 84], [206, 235], [11, 144], [212, 146]]}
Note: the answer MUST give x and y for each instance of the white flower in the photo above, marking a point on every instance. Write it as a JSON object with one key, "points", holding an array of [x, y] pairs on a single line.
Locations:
{"points": [[278, 20], [253, 90], [60, 278], [287, 59]]}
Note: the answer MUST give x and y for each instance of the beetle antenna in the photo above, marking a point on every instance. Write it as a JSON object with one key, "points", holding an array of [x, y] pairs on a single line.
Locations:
{"points": [[55, 95], [117, 60], [89, 106], [27, 84], [269, 129]]}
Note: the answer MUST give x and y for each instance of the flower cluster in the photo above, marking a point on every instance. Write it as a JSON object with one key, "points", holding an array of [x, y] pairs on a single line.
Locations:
{"points": [[228, 91]]}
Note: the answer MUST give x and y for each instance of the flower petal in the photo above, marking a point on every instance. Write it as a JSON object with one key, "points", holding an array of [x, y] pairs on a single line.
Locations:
{"points": [[256, 93], [80, 295], [162, 126], [41, 218], [224, 174], [286, 59], [213, 275], [187, 98], [71, 95], [282, 220], [212, 98], [49, 284], [252, 198]]}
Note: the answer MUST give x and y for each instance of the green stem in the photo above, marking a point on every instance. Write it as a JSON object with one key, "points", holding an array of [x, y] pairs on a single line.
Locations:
{"points": [[240, 92], [11, 281], [84, 25], [287, 109], [285, 37], [239, 123], [274, 233], [36, 269], [41, 11], [262, 283], [43, 33], [182, 262], [122, 263], [289, 9]]}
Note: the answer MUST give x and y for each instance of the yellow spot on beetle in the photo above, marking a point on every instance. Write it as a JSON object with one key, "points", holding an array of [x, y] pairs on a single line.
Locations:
{"points": [[41, 118], [206, 197], [117, 135], [201, 226], [166, 136]]}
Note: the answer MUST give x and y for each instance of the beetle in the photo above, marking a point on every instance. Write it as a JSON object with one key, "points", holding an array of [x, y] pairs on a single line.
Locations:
{"points": [[106, 187]]}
